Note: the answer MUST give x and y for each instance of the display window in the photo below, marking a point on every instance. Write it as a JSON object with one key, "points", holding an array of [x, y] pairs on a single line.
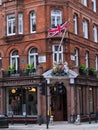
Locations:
{"points": [[22, 101]]}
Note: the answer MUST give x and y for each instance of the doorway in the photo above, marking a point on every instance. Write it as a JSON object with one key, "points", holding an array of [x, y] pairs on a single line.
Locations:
{"points": [[59, 106]]}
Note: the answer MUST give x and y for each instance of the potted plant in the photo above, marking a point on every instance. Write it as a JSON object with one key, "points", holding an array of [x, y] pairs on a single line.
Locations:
{"points": [[92, 71], [82, 69], [29, 69], [11, 69]]}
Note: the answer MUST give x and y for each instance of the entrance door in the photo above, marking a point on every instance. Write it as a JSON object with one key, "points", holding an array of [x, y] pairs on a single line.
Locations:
{"points": [[59, 107]]}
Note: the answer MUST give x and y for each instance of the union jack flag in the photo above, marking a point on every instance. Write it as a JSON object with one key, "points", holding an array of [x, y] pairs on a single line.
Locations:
{"points": [[58, 29]]}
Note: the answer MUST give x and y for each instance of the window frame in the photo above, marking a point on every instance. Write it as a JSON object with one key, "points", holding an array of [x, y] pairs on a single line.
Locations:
{"points": [[94, 5], [12, 22], [32, 20], [84, 2], [85, 28], [15, 58], [56, 17], [20, 23], [34, 55], [75, 24], [57, 53], [76, 52], [95, 33]]}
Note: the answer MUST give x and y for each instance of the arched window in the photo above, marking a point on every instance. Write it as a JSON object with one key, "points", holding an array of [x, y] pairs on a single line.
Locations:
{"points": [[14, 59], [33, 56]]}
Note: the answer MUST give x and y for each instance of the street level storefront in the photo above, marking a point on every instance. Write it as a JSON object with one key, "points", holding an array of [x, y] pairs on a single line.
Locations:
{"points": [[20, 98]]}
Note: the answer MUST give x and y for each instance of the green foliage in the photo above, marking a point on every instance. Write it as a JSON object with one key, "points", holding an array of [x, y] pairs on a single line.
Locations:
{"points": [[11, 69], [29, 68], [82, 69], [92, 71]]}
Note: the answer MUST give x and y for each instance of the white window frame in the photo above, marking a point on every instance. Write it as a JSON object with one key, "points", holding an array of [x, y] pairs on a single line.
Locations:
{"points": [[95, 33], [94, 5], [56, 17], [85, 29], [32, 22], [57, 53], [20, 23], [87, 59], [96, 62], [14, 57], [75, 24], [0, 2], [76, 57], [11, 21], [33, 55], [84, 2]]}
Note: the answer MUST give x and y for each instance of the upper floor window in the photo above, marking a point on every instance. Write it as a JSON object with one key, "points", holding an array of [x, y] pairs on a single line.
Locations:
{"points": [[84, 2], [32, 22], [20, 23], [0, 61], [85, 29], [75, 24], [33, 56], [94, 5], [14, 59], [96, 62], [57, 53], [95, 33], [87, 59], [11, 24], [0, 2], [56, 18], [76, 56]]}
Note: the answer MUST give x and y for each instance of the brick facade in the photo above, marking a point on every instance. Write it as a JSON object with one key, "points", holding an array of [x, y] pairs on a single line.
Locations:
{"points": [[40, 40]]}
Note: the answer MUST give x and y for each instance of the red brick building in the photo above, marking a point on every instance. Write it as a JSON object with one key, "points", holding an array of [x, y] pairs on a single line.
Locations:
{"points": [[27, 52]]}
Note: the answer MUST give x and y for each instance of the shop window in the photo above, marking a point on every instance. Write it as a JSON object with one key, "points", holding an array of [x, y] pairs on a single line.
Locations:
{"points": [[57, 53], [14, 59], [91, 100], [22, 101], [56, 18], [81, 99], [32, 22], [33, 56]]}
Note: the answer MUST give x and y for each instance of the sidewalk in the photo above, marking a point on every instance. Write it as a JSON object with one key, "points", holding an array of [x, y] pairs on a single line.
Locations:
{"points": [[55, 126]]}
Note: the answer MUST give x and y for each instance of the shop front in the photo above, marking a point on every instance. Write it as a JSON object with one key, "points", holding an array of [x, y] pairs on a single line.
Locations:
{"points": [[20, 98]]}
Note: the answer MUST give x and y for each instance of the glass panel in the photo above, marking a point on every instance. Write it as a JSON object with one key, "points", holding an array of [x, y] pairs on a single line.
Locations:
{"points": [[22, 101]]}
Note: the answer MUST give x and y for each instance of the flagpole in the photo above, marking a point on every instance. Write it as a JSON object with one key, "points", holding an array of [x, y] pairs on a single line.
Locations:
{"points": [[61, 42]]}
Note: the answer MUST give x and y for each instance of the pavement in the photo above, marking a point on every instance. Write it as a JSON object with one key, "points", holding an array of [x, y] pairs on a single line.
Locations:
{"points": [[54, 126]]}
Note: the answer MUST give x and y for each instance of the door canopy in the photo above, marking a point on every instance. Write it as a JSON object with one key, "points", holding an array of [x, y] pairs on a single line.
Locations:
{"points": [[60, 70]]}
